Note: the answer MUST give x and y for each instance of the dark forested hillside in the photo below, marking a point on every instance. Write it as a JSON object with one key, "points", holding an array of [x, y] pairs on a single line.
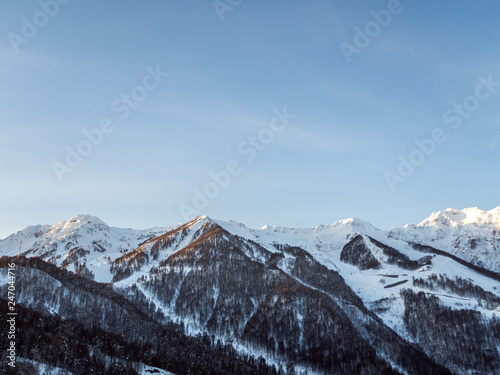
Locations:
{"points": [[464, 339], [98, 331]]}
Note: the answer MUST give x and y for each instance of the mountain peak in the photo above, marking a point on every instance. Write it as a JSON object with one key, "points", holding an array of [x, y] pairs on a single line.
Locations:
{"points": [[198, 222], [453, 217], [83, 218], [356, 224], [201, 219], [78, 221]]}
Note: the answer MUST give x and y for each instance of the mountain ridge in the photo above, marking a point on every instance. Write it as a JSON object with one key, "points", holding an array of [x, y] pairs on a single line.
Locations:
{"points": [[345, 296], [471, 234], [485, 217]]}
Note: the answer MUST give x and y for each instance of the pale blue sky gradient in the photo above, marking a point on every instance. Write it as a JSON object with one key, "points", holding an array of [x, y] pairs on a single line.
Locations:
{"points": [[226, 77]]}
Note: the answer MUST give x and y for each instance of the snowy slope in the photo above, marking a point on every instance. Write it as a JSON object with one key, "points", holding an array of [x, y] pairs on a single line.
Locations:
{"points": [[471, 234], [326, 242], [176, 239], [29, 235], [379, 266], [84, 244], [85, 241], [39, 368]]}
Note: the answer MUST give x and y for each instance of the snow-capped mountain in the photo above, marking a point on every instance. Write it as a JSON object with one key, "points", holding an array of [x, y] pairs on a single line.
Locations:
{"points": [[339, 298], [471, 234], [83, 244]]}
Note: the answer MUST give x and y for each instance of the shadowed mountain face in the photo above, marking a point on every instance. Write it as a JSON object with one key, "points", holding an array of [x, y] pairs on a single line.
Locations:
{"points": [[356, 252], [75, 324], [304, 302]]}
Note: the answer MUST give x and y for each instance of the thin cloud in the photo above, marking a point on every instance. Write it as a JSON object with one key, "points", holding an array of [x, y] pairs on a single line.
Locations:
{"points": [[297, 138], [495, 143], [7, 56]]}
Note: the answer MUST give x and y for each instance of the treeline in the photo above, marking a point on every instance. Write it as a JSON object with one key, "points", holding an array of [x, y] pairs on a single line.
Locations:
{"points": [[460, 287], [396, 257], [133, 261], [483, 271]]}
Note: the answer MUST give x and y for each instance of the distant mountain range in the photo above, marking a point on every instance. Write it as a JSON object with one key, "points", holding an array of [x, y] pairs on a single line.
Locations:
{"points": [[212, 296]]}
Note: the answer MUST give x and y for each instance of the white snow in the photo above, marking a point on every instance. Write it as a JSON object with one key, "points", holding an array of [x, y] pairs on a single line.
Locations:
{"points": [[471, 234], [450, 230], [325, 243], [54, 243], [43, 369], [148, 370]]}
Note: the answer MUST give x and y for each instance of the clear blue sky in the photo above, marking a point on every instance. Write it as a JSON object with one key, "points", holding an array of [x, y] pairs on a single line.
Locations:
{"points": [[226, 77]]}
